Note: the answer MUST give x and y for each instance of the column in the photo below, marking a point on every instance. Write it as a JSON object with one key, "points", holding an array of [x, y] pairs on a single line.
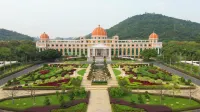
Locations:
{"points": [[93, 52], [109, 52], [63, 52], [88, 52]]}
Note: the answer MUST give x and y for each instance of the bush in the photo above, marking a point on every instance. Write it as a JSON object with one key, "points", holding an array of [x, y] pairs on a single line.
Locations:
{"points": [[122, 82], [116, 92], [46, 101], [71, 95], [140, 99], [147, 95]]}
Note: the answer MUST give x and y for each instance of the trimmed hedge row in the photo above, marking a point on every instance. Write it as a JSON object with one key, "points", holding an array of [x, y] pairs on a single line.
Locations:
{"points": [[99, 82], [151, 87]]}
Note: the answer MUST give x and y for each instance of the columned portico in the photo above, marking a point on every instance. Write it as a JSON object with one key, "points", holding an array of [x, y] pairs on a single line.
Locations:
{"points": [[99, 51]]}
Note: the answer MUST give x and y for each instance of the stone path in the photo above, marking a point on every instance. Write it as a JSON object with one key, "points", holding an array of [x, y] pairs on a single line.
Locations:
{"points": [[99, 98], [99, 101]]}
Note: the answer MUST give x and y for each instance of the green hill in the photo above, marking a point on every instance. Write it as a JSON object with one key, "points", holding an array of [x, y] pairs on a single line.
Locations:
{"points": [[168, 28], [11, 35]]}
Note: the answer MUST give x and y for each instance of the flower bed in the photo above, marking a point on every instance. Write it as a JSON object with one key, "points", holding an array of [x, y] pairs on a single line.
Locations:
{"points": [[43, 72], [56, 83], [142, 82]]}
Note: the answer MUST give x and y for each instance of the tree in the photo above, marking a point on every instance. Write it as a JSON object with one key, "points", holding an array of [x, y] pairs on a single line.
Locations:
{"points": [[12, 93], [71, 95], [148, 53], [50, 54], [47, 101], [32, 93], [140, 99], [4, 54]]}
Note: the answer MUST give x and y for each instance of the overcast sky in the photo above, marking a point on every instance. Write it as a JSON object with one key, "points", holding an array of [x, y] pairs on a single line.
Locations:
{"points": [[67, 18]]}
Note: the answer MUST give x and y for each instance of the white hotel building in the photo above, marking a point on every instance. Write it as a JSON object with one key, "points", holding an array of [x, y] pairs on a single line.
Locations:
{"points": [[99, 45]]}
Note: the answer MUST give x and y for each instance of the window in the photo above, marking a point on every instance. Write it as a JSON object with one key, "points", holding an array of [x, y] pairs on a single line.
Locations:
{"points": [[133, 51], [56, 45]]}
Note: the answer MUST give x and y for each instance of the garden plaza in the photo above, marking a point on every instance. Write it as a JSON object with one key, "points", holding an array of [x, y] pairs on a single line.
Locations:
{"points": [[99, 45]]}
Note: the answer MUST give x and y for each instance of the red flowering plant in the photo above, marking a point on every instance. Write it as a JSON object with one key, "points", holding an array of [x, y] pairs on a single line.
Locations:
{"points": [[43, 72]]}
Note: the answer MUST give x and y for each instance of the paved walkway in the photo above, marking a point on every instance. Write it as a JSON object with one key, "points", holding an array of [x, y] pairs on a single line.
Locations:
{"points": [[99, 101], [15, 75], [7, 93], [194, 80]]}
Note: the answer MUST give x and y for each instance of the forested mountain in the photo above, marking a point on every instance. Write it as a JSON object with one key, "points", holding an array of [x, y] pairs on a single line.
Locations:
{"points": [[11, 35], [168, 28]]}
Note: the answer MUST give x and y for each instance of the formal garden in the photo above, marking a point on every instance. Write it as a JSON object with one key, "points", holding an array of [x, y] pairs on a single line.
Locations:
{"points": [[147, 76], [99, 74], [50, 76], [71, 101], [124, 97]]}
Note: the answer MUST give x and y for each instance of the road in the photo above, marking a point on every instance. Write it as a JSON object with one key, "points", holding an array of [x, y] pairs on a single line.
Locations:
{"points": [[25, 71], [194, 80]]}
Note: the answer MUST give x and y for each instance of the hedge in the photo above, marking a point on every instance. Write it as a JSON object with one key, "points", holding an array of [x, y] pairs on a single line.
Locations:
{"points": [[99, 82], [152, 87]]}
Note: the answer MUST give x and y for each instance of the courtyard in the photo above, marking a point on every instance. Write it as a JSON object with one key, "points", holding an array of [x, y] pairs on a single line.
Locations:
{"points": [[78, 85]]}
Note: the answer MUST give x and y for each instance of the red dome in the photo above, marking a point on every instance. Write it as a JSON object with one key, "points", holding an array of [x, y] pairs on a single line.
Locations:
{"points": [[44, 36], [153, 36], [99, 31]]}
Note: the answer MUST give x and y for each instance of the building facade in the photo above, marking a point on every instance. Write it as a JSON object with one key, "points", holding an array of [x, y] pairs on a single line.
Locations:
{"points": [[99, 45]]}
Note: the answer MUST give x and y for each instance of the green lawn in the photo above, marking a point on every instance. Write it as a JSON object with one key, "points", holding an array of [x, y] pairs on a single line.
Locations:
{"points": [[116, 72], [23, 103], [174, 103], [81, 72], [82, 107]]}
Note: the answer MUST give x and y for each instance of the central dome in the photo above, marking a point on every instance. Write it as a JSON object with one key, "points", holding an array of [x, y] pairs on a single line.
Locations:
{"points": [[99, 32]]}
